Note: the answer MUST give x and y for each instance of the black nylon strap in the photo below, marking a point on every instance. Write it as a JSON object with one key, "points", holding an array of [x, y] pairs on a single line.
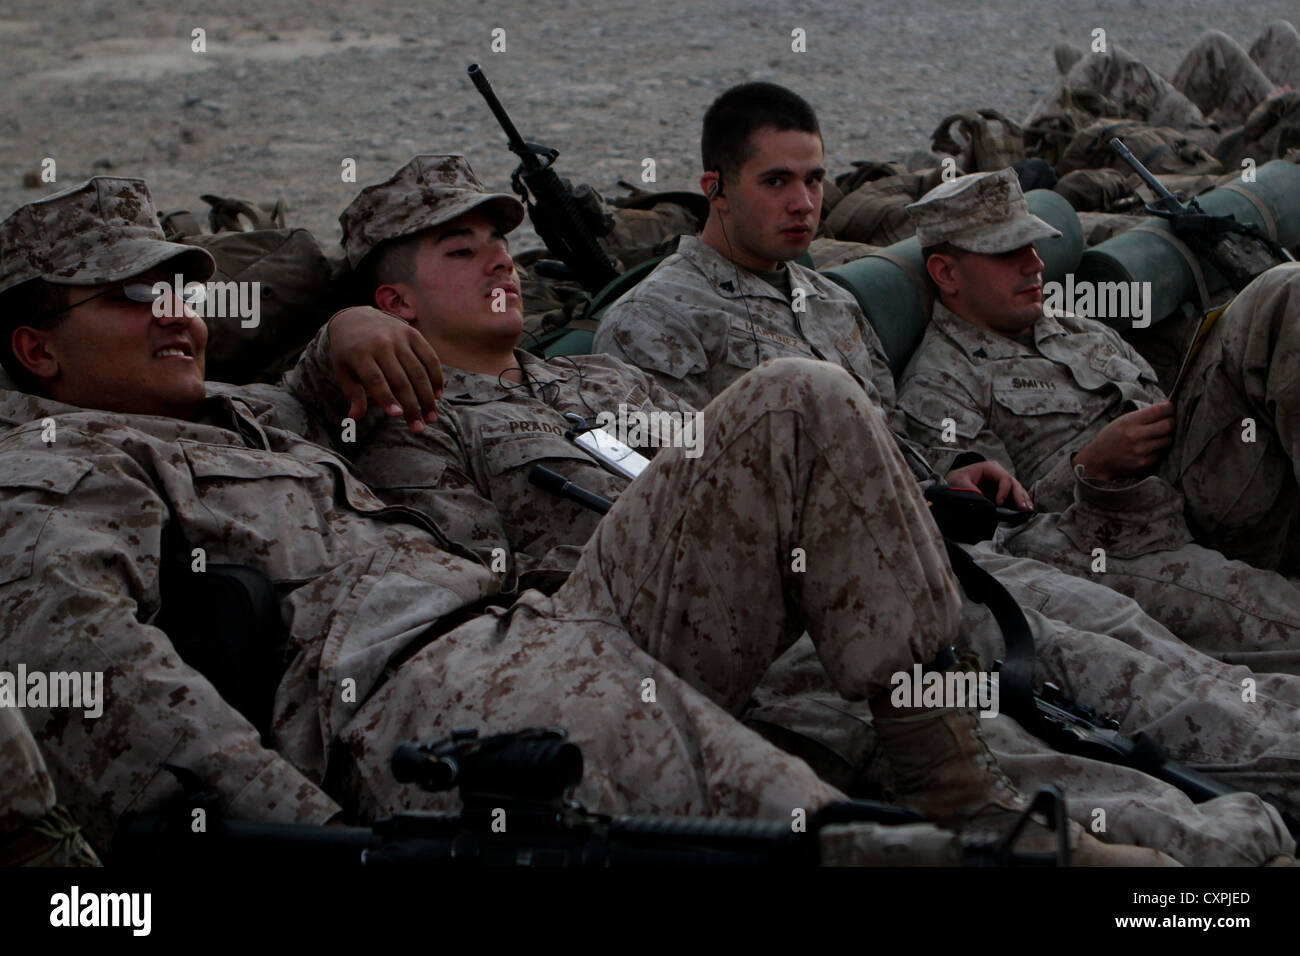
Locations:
{"points": [[1016, 680]]}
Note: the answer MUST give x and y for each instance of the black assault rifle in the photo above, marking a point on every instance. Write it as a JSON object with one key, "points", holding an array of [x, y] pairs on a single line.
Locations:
{"points": [[1239, 251], [554, 214], [512, 789]]}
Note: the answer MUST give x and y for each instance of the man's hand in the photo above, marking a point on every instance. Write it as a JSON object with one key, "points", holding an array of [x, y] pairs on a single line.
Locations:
{"points": [[993, 481], [1131, 445], [377, 354]]}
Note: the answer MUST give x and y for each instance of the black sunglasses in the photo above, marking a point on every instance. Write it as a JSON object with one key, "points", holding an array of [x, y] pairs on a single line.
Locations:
{"points": [[193, 294]]}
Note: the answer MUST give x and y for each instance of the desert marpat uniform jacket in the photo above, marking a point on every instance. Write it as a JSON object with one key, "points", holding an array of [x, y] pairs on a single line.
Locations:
{"points": [[84, 519], [1029, 407], [699, 322], [469, 470]]}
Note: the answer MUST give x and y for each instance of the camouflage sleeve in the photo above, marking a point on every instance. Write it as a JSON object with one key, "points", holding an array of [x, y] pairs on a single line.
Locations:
{"points": [[26, 792], [662, 343], [663, 399], [1054, 491], [311, 382], [78, 584]]}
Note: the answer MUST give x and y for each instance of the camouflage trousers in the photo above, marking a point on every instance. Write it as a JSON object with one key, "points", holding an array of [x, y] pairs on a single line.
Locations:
{"points": [[1222, 79], [800, 515], [1277, 53], [1238, 428], [34, 829], [1135, 540], [1102, 650], [26, 792], [1136, 90]]}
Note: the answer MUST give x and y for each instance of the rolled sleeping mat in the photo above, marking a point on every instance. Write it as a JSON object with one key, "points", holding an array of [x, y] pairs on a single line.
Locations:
{"points": [[894, 291], [1151, 253]]}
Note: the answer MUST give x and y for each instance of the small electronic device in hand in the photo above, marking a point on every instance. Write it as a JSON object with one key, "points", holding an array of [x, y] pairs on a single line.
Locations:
{"points": [[966, 515]]}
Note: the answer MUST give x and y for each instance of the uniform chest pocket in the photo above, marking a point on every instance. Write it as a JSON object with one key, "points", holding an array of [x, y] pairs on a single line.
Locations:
{"points": [[394, 472], [267, 509], [1026, 401], [242, 464], [21, 522], [1116, 368]]}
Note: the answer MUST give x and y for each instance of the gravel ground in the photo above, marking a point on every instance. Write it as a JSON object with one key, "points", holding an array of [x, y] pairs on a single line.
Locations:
{"points": [[287, 90]]}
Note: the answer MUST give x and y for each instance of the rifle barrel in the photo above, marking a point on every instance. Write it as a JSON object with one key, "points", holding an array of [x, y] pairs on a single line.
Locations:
{"points": [[517, 144], [1169, 200]]}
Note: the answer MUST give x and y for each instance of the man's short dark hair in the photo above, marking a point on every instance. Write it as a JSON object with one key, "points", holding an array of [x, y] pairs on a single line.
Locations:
{"points": [[393, 260], [729, 124], [28, 304]]}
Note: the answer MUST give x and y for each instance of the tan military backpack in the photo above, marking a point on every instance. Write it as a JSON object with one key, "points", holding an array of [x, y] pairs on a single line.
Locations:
{"points": [[297, 285]]}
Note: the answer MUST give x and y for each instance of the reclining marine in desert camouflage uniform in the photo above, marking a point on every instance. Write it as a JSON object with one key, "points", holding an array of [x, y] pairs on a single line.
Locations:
{"points": [[1076, 412]]}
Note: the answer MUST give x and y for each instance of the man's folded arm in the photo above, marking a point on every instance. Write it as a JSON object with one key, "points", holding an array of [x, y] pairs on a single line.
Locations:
{"points": [[77, 599], [314, 383]]}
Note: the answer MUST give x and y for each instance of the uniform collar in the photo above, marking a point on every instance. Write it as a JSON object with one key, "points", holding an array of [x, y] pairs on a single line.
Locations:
{"points": [[722, 273], [223, 404], [19, 408], [979, 343], [460, 387]]}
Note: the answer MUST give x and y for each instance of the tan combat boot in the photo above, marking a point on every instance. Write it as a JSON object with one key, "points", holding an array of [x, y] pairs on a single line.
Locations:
{"points": [[53, 840], [943, 768]]}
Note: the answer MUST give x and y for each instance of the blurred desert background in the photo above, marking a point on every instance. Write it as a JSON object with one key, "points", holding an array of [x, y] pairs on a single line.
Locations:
{"points": [[285, 91]]}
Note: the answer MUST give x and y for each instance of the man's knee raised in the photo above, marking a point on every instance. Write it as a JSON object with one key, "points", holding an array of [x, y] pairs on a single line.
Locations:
{"points": [[807, 383]]}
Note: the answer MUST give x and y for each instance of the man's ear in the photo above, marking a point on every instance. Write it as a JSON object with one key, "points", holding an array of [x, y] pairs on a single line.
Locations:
{"points": [[31, 348], [394, 298], [711, 186], [942, 271]]}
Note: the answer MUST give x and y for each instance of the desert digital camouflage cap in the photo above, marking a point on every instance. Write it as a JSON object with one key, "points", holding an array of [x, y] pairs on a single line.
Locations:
{"points": [[979, 212], [428, 191], [101, 231]]}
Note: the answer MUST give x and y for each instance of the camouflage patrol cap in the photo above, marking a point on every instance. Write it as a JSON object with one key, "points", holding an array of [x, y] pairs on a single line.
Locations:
{"points": [[429, 190], [979, 212], [101, 231]]}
